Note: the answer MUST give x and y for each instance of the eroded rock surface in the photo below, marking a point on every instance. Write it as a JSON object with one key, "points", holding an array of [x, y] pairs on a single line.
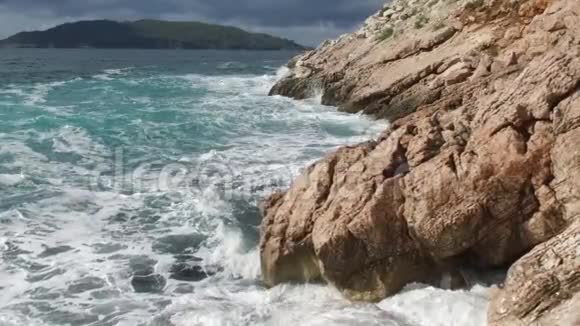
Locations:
{"points": [[480, 167]]}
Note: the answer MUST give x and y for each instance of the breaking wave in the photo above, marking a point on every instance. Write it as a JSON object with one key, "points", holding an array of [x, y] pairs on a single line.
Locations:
{"points": [[130, 198]]}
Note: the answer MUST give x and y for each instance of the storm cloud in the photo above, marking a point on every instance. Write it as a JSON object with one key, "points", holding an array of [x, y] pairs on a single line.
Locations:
{"points": [[306, 21]]}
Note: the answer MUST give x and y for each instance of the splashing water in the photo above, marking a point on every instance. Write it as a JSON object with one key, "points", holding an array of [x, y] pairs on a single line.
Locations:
{"points": [[129, 184]]}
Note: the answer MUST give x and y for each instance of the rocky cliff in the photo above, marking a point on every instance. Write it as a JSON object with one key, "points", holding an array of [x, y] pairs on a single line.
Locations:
{"points": [[480, 168]]}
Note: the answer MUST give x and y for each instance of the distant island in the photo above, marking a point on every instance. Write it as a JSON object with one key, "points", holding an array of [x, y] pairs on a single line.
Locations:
{"points": [[147, 34]]}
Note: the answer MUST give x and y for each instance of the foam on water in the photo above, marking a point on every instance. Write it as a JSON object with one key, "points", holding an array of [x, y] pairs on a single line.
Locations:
{"points": [[428, 306], [10, 179], [111, 74], [121, 187], [70, 139]]}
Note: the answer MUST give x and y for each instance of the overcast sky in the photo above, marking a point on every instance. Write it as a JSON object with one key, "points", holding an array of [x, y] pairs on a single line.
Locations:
{"points": [[306, 21]]}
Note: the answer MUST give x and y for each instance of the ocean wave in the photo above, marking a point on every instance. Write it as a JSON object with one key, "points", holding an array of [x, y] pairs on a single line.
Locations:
{"points": [[69, 139], [198, 154], [111, 74], [236, 84], [36, 95], [11, 179], [427, 306]]}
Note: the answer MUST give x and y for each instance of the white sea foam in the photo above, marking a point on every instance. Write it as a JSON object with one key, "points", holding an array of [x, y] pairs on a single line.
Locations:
{"points": [[282, 72], [69, 139], [11, 319], [225, 247], [12, 91], [103, 77], [66, 233], [308, 304], [37, 95], [318, 305], [116, 71], [233, 85], [11, 179], [111, 74], [428, 306]]}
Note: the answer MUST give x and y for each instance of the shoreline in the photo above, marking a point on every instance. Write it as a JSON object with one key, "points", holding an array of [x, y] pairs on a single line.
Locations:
{"points": [[483, 98], [103, 205]]}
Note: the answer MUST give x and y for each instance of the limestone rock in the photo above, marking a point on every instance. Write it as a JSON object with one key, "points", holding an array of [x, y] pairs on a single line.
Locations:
{"points": [[388, 13], [457, 74], [481, 165], [542, 288]]}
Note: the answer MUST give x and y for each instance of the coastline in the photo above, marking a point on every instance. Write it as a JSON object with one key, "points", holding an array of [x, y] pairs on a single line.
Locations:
{"points": [[130, 181], [476, 171]]}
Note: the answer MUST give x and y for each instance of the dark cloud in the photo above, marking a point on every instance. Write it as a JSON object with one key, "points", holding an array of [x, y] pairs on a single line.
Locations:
{"points": [[293, 16], [266, 12]]}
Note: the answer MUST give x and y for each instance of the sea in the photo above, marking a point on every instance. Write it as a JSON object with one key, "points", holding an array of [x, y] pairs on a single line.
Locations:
{"points": [[130, 182]]}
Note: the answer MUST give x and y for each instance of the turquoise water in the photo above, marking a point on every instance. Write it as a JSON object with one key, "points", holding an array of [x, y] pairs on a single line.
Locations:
{"points": [[129, 184]]}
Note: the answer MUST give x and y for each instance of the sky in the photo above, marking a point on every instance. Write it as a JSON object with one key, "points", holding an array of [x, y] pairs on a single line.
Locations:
{"points": [[306, 21]]}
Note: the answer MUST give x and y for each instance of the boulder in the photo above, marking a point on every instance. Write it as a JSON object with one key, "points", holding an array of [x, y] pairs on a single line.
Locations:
{"points": [[543, 287], [480, 167]]}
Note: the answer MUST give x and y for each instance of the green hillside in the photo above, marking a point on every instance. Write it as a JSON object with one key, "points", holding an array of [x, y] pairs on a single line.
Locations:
{"points": [[147, 34]]}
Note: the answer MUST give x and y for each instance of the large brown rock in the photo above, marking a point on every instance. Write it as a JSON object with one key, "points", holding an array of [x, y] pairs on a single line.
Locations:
{"points": [[480, 167], [543, 287]]}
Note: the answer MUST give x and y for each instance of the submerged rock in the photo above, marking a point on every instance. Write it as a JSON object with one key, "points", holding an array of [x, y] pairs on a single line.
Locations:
{"points": [[142, 265], [144, 279], [188, 273], [189, 268], [177, 243], [480, 167], [48, 251], [86, 284], [152, 283]]}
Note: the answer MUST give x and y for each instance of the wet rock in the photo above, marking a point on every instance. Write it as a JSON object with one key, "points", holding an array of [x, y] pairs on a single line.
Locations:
{"points": [[86, 284], [144, 279], [177, 243], [292, 63], [54, 251], [105, 294], [11, 249], [108, 248], [42, 293], [152, 283], [187, 273], [44, 274], [184, 289], [188, 268], [60, 317], [142, 265]]}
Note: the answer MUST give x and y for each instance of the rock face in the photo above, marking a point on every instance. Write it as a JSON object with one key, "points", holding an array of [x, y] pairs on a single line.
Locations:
{"points": [[481, 166], [542, 288]]}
